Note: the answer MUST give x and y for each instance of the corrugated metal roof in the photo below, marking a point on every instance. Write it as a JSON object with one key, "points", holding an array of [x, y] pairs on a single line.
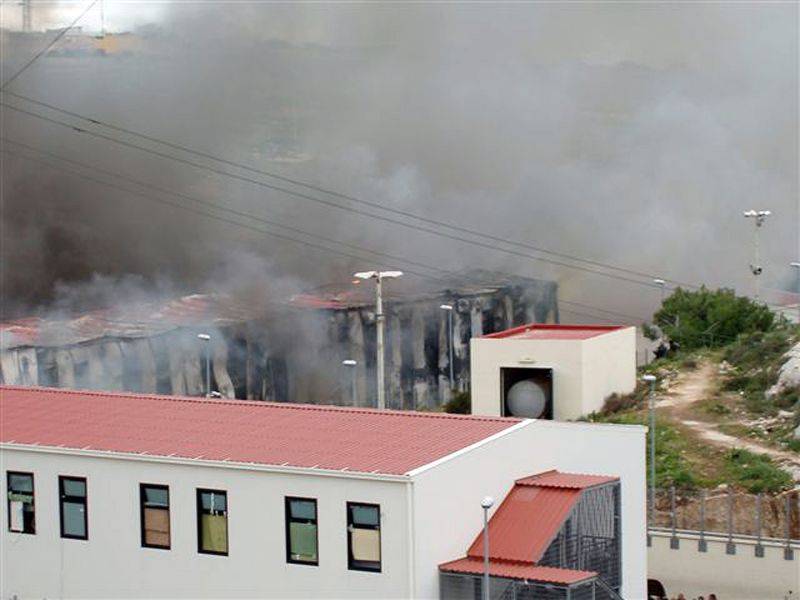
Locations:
{"points": [[575, 481], [297, 435], [536, 331], [525, 523], [512, 570]]}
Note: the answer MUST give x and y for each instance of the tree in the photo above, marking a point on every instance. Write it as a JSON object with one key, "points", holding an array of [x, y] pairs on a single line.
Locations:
{"points": [[709, 318]]}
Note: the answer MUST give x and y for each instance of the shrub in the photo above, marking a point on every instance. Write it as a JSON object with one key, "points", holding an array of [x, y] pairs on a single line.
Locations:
{"points": [[706, 318], [756, 472], [459, 403]]}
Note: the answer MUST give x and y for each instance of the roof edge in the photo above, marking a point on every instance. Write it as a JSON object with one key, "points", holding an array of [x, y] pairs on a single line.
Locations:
{"points": [[453, 455], [201, 462]]}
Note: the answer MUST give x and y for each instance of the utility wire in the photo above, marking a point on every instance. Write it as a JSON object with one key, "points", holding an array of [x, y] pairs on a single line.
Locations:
{"points": [[46, 48], [336, 194], [326, 202], [214, 206]]}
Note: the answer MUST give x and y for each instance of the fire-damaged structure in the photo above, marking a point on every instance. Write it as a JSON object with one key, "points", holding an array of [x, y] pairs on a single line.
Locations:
{"points": [[287, 351]]}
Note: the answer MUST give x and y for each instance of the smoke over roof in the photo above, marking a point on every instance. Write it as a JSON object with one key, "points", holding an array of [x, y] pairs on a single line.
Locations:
{"points": [[629, 134]]}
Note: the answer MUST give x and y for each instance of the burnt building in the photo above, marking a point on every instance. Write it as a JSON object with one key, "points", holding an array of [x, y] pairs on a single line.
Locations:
{"points": [[289, 351]]}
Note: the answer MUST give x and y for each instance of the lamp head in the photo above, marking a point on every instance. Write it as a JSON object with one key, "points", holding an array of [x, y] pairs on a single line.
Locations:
{"points": [[390, 274], [649, 378], [204, 336], [487, 502], [365, 274], [349, 362], [446, 306]]}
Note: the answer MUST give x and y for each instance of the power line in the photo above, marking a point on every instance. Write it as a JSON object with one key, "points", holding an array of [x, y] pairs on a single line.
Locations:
{"points": [[214, 206], [336, 194], [326, 202], [46, 48]]}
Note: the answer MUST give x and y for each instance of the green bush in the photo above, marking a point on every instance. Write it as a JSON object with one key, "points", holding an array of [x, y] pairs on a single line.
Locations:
{"points": [[459, 403], [706, 318]]}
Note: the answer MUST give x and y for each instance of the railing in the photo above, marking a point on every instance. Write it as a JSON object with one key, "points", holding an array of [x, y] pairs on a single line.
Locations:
{"points": [[728, 514]]}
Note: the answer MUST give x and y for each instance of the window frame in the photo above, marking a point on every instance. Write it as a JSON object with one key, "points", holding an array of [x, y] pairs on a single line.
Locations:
{"points": [[199, 496], [85, 500], [288, 519], [142, 497], [8, 501], [351, 566]]}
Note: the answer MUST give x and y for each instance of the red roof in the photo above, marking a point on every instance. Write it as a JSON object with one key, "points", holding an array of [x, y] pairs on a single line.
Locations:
{"points": [[297, 435], [512, 570], [536, 331], [526, 523]]}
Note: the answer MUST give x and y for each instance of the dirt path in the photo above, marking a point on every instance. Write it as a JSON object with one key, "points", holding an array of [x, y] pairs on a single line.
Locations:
{"points": [[694, 386]]}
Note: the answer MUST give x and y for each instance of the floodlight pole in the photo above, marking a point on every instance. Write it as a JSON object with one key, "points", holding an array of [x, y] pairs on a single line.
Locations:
{"points": [[379, 326], [760, 216], [651, 379], [352, 364]]}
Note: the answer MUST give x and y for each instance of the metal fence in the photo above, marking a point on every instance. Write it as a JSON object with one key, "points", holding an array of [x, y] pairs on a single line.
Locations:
{"points": [[725, 512], [454, 586]]}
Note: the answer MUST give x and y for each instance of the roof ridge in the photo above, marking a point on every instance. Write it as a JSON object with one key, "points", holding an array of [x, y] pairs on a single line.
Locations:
{"points": [[258, 403]]}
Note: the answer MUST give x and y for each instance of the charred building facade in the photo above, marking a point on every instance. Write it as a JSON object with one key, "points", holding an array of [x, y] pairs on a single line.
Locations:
{"points": [[292, 352]]}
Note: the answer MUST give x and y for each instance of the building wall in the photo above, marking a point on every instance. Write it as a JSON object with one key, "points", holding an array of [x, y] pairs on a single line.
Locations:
{"points": [[741, 576], [585, 372], [489, 355], [447, 496], [112, 562], [609, 366]]}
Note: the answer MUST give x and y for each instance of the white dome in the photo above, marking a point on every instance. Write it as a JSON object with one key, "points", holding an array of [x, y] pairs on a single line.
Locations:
{"points": [[526, 399]]}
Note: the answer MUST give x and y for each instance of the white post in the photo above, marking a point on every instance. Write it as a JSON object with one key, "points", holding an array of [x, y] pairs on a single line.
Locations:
{"points": [[379, 322], [207, 339], [486, 503]]}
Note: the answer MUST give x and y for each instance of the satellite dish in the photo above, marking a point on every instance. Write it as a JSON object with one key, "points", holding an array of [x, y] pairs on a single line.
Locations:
{"points": [[526, 399]]}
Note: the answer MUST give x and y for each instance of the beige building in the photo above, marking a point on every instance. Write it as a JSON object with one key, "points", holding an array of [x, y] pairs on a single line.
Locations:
{"points": [[558, 372]]}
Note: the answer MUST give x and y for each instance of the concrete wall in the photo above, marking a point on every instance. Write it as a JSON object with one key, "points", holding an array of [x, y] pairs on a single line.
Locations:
{"points": [[731, 577], [449, 494], [585, 372], [112, 562]]}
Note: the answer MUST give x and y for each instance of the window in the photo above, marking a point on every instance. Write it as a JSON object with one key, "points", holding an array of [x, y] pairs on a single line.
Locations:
{"points": [[212, 522], [154, 501], [301, 531], [363, 537], [72, 492], [21, 512]]}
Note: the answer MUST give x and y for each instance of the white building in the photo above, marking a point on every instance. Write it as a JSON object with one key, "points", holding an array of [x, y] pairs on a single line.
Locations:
{"points": [[556, 372], [115, 495]]}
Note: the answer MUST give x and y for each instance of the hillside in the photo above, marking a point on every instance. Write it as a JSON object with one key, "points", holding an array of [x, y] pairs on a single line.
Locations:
{"points": [[721, 419]]}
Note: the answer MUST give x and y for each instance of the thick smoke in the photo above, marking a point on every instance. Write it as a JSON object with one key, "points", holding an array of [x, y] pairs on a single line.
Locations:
{"points": [[629, 134]]}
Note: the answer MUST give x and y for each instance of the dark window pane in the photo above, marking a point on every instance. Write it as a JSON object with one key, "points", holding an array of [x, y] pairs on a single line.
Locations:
{"points": [[20, 482], [214, 502], [365, 515], [156, 496], [74, 487], [303, 509]]}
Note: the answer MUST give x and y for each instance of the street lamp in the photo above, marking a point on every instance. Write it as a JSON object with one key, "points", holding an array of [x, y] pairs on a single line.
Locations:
{"points": [[651, 379], [352, 364], [486, 504], [378, 276], [207, 339], [662, 284], [760, 216], [449, 309]]}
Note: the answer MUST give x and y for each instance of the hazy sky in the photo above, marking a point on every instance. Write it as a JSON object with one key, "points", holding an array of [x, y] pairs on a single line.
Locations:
{"points": [[627, 133]]}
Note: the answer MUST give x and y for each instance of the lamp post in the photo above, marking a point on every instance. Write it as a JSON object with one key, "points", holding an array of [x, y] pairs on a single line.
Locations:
{"points": [[378, 276], [651, 379], [486, 504], [207, 339], [662, 284], [796, 265], [449, 309], [352, 364], [760, 216]]}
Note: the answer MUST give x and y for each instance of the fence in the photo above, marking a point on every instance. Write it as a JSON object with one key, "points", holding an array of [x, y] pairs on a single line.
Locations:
{"points": [[728, 513]]}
